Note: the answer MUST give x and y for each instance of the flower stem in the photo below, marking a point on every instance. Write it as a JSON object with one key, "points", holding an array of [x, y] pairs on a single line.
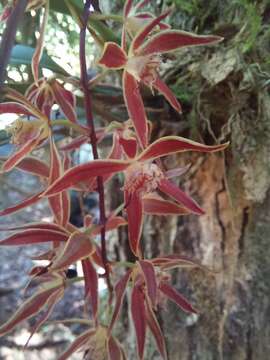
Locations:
{"points": [[69, 124], [93, 139], [114, 17]]}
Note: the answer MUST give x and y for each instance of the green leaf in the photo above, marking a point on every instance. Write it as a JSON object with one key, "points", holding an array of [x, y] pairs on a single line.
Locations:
{"points": [[100, 27], [22, 54], [60, 6]]}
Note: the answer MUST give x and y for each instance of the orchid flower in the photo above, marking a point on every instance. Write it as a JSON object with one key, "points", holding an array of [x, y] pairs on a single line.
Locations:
{"points": [[98, 344], [47, 296], [142, 176], [141, 64], [48, 92], [150, 287], [26, 134], [73, 245]]}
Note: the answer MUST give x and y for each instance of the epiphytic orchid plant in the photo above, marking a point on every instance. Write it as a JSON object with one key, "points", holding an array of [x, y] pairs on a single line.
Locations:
{"points": [[146, 187]]}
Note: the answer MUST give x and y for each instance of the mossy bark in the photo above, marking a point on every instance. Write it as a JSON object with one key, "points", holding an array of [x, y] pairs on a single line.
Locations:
{"points": [[232, 238]]}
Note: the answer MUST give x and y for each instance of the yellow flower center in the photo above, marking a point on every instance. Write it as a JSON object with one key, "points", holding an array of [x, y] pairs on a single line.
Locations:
{"points": [[24, 130]]}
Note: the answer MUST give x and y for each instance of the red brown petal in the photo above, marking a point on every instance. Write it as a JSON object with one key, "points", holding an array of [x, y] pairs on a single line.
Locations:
{"points": [[150, 281], [40, 44], [157, 206], [77, 247], [163, 89], [33, 236], [156, 331], [77, 344], [114, 349], [141, 36], [32, 165], [119, 289], [66, 100], [15, 158], [127, 8], [84, 172], [134, 210], [27, 202], [171, 40], [28, 309], [14, 108], [135, 107], [91, 285], [139, 318], [113, 57], [53, 300], [173, 144], [176, 297], [173, 191]]}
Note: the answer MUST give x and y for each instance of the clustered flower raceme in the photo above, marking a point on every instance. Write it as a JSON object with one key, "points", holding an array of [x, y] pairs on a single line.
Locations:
{"points": [[146, 188]]}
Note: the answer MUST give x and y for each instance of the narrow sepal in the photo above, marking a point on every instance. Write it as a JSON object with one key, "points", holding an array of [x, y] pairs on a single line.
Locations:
{"points": [[176, 193], [139, 318], [171, 40], [113, 56], [66, 100], [51, 303], [14, 108], [85, 172], [15, 158], [173, 144], [91, 285], [15, 95], [156, 331], [23, 204], [114, 349], [77, 344], [28, 309], [112, 223], [155, 205], [127, 8], [33, 236], [142, 35], [149, 275], [129, 145], [134, 210], [78, 247], [163, 89], [32, 165], [141, 4], [135, 107], [55, 172], [36, 225], [167, 262], [40, 44], [119, 290], [176, 297], [75, 143]]}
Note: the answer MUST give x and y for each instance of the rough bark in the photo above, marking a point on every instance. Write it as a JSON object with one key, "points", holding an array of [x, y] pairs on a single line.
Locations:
{"points": [[232, 238]]}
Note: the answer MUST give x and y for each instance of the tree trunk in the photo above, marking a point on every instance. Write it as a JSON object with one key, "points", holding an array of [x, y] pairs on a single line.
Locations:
{"points": [[231, 238]]}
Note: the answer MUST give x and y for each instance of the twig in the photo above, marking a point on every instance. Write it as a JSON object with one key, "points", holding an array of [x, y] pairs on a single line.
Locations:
{"points": [[93, 138]]}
